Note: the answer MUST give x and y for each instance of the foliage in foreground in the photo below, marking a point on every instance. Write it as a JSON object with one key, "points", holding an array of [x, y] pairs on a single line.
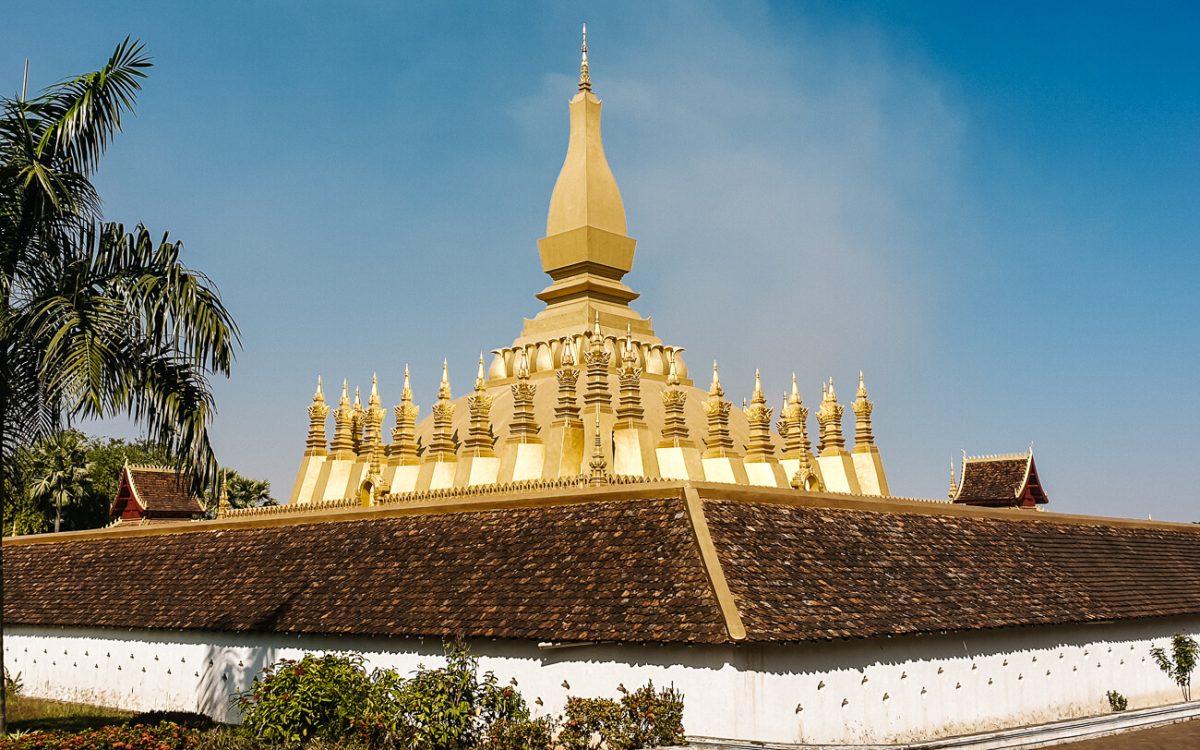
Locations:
{"points": [[97, 321], [165, 736], [1180, 664], [332, 698]]}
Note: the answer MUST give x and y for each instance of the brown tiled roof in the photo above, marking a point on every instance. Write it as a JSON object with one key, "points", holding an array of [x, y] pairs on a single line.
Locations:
{"points": [[812, 573], [992, 480], [602, 571], [585, 566], [163, 490]]}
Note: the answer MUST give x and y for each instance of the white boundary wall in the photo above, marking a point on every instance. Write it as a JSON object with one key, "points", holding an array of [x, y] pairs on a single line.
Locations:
{"points": [[871, 691]]}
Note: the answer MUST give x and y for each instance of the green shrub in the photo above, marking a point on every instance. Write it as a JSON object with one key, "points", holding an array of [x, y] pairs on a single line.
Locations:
{"points": [[1116, 701], [589, 723], [449, 708], [644, 718], [652, 718], [163, 736], [521, 734], [293, 702]]}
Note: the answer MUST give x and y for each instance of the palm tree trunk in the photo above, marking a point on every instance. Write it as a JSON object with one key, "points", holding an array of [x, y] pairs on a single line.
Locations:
{"points": [[57, 511]]}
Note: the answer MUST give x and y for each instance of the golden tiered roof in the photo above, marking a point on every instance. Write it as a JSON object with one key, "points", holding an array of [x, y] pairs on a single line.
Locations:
{"points": [[586, 384]]}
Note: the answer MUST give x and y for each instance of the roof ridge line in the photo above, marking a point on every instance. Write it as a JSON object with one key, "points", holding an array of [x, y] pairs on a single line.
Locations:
{"points": [[712, 564]]}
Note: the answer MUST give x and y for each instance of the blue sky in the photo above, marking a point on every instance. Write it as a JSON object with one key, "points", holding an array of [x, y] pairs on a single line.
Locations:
{"points": [[991, 209]]}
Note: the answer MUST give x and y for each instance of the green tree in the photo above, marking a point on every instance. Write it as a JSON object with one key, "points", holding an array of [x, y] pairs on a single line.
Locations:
{"points": [[1180, 664], [58, 471], [96, 321], [246, 492]]}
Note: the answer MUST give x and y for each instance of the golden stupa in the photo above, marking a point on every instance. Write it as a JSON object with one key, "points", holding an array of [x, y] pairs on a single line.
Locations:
{"points": [[587, 393]]}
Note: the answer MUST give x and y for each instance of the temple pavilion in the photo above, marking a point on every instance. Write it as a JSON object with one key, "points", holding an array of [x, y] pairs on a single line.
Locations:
{"points": [[587, 392]]}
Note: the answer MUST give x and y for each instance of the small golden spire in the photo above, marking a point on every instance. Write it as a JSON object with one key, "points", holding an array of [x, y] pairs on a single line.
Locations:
{"points": [[758, 420], [480, 382], [715, 389], [568, 351], [343, 425], [403, 450], [479, 440], [585, 78], [223, 505], [953, 480], [598, 465], [829, 416], [864, 439], [441, 445], [793, 424], [567, 409], [674, 429], [317, 412], [374, 397], [345, 392], [523, 427], [718, 442]]}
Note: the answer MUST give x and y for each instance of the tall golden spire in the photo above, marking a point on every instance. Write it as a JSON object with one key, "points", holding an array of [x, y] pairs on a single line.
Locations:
{"points": [[403, 450], [317, 412], [864, 440], [758, 417], [343, 426], [718, 442], [480, 440], [585, 78], [586, 249]]}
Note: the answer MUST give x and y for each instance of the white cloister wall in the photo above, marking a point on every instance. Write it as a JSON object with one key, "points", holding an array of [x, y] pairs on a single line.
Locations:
{"points": [[870, 691]]}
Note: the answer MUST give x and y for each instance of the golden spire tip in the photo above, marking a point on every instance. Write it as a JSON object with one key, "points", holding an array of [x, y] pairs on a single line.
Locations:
{"points": [[585, 78]]}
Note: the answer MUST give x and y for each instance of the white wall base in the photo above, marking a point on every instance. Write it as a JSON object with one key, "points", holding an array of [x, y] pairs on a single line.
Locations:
{"points": [[879, 691]]}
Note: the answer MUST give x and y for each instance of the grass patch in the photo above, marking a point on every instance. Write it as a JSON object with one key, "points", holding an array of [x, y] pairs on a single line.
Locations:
{"points": [[28, 714]]}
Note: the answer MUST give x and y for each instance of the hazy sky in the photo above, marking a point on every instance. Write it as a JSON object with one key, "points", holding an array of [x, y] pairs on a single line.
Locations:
{"points": [[991, 209]]}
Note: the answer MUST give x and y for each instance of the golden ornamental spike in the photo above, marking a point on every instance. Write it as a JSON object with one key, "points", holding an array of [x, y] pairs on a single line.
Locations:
{"points": [[480, 381], [585, 78], [444, 386], [599, 466]]}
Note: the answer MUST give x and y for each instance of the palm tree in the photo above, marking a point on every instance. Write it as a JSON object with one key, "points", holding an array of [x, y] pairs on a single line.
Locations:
{"points": [[96, 321], [58, 470]]}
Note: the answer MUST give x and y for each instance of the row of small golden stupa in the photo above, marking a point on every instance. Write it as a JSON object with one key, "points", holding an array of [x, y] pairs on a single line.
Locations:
{"points": [[633, 449]]}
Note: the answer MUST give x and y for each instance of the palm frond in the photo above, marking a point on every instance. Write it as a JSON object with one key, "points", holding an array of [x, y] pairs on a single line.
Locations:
{"points": [[85, 112]]}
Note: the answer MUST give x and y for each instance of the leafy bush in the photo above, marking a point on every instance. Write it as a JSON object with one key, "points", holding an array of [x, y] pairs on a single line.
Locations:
{"points": [[292, 702], [1116, 701], [644, 718], [164, 736], [1180, 664], [332, 699], [589, 723], [652, 718]]}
